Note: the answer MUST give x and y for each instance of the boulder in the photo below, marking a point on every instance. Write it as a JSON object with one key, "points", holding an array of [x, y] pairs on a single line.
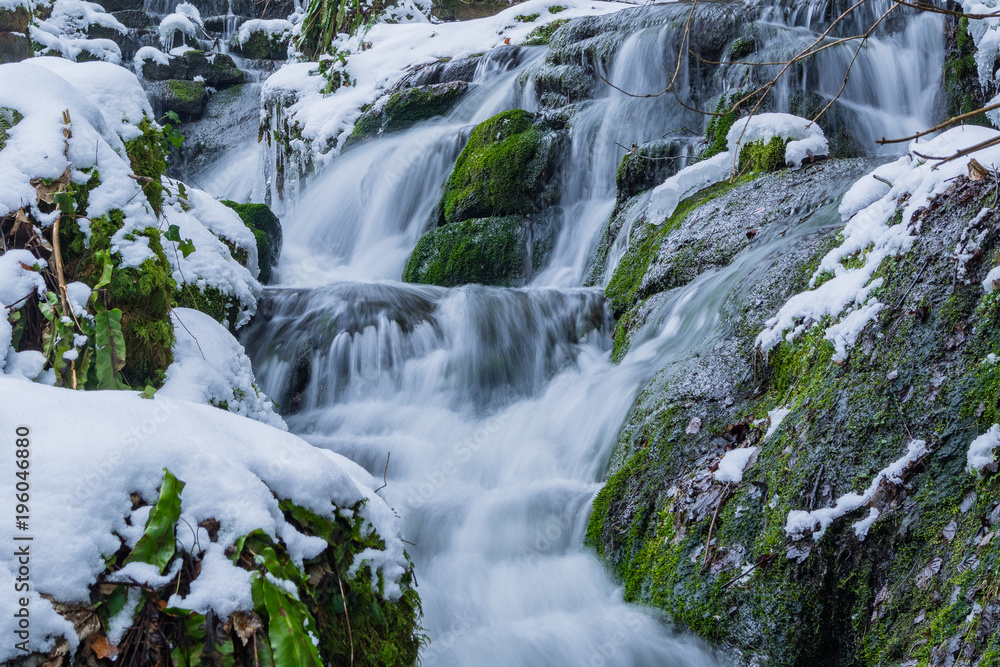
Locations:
{"points": [[15, 20], [14, 47], [266, 228], [406, 107], [186, 98], [218, 70]]}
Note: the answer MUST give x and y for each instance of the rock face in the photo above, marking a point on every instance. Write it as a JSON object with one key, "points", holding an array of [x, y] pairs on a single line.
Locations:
{"points": [[919, 587], [266, 228], [186, 98], [14, 44], [406, 107], [217, 69], [493, 225]]}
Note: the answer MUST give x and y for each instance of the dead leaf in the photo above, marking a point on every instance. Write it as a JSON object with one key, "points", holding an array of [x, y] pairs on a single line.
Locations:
{"points": [[246, 625], [693, 426], [506, 40], [949, 531], [977, 172], [103, 648], [46, 191], [927, 574]]}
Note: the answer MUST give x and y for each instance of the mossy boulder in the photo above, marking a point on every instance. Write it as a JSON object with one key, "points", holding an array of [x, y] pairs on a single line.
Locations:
{"points": [[506, 168], [218, 70], [266, 228], [742, 47], [406, 107], [645, 167], [15, 20], [186, 98], [542, 35], [262, 45], [486, 251]]}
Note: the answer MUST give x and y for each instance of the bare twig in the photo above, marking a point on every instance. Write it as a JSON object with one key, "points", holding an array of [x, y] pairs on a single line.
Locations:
{"points": [[343, 600], [384, 471]]}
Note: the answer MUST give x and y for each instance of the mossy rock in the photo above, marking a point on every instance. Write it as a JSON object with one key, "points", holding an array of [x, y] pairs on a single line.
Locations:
{"points": [[262, 45], [645, 167], [186, 98], [963, 91], [465, 10], [487, 251], [406, 107], [325, 19], [266, 228], [148, 160], [505, 169], [15, 20], [542, 35], [763, 155], [742, 47], [218, 70]]}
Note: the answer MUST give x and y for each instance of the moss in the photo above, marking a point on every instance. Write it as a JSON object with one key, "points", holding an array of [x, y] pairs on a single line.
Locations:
{"points": [[149, 161], [187, 92], [727, 111], [962, 89], [8, 119], [406, 107], [526, 18], [144, 294], [222, 307], [490, 251], [266, 228], [555, 9], [742, 47], [624, 288], [502, 171], [761, 156], [542, 35], [644, 168]]}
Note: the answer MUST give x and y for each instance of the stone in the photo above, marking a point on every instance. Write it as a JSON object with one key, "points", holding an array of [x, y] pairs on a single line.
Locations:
{"points": [[406, 107], [14, 47]]}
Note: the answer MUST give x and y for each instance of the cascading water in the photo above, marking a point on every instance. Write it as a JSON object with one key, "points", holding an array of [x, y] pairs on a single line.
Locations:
{"points": [[492, 412]]}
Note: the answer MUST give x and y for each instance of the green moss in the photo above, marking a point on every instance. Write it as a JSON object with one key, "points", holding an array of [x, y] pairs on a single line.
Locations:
{"points": [[761, 156], [962, 90], [187, 92], [266, 228], [324, 19], [408, 106], [624, 288], [555, 9], [149, 161], [742, 47], [542, 35], [526, 18], [502, 170], [144, 294], [490, 251]]}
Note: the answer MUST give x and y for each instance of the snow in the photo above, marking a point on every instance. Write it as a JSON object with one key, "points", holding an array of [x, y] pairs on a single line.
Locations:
{"points": [[733, 464], [398, 47], [981, 449], [37, 148], [206, 222], [177, 22], [14, 4], [99, 446], [817, 521], [150, 53], [66, 31], [211, 367], [806, 138], [776, 416], [17, 283], [868, 209], [862, 527], [274, 28]]}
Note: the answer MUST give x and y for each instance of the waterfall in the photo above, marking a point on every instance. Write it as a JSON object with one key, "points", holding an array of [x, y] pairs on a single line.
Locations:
{"points": [[493, 412]]}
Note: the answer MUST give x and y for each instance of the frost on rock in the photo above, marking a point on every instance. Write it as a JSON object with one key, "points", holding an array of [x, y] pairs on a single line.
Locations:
{"points": [[800, 522], [211, 367], [879, 223], [65, 32], [217, 233], [804, 139], [981, 450], [99, 447]]}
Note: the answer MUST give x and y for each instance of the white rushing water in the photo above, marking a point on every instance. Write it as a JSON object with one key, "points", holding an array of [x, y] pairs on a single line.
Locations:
{"points": [[496, 409]]}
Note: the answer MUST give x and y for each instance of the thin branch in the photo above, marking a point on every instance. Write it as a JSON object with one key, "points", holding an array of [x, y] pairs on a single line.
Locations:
{"points": [[940, 126]]}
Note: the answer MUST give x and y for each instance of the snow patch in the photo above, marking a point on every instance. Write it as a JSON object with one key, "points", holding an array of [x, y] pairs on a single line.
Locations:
{"points": [[981, 449], [733, 464]]}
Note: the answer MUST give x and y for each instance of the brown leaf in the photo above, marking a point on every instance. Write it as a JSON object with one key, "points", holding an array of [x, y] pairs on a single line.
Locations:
{"points": [[927, 574], [212, 527], [949, 531], [103, 648], [83, 617], [977, 172], [47, 191], [246, 625]]}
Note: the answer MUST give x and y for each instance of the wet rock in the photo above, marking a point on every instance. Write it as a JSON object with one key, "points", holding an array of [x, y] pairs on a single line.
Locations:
{"points": [[406, 107], [266, 228], [14, 20], [186, 98], [262, 45], [14, 47], [217, 70]]}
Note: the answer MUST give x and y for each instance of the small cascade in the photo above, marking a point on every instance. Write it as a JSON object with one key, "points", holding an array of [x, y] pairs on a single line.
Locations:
{"points": [[493, 412]]}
